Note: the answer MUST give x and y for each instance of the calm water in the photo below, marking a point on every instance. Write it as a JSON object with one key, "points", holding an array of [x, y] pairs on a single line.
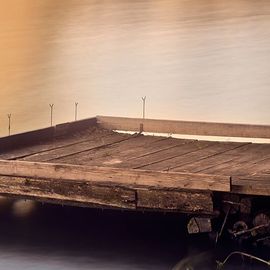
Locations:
{"points": [[64, 238], [194, 60]]}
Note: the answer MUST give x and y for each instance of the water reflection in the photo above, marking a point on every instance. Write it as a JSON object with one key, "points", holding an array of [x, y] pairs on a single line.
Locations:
{"points": [[206, 60], [36, 236], [55, 237]]}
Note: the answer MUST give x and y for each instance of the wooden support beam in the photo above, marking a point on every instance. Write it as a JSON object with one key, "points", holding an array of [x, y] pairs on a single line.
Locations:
{"points": [[110, 187], [185, 202], [68, 192], [184, 127], [85, 194], [116, 176]]}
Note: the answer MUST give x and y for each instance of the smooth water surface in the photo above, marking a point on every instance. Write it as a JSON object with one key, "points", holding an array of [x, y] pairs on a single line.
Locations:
{"points": [[56, 237], [194, 60]]}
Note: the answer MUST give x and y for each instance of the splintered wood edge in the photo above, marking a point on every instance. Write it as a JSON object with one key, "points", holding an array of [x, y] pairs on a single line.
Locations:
{"points": [[115, 176]]}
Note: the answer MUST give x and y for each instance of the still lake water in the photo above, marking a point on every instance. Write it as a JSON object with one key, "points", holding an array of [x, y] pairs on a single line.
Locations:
{"points": [[194, 60]]}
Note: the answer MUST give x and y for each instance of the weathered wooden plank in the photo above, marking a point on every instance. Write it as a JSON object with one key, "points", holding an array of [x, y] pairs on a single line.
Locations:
{"points": [[43, 135], [154, 152], [256, 178], [94, 142], [113, 153], [241, 157], [85, 194], [256, 189], [251, 185], [74, 126], [184, 202], [252, 167], [223, 159], [60, 191], [115, 176], [25, 139], [119, 155], [159, 146], [175, 163], [267, 170], [146, 161], [215, 152], [199, 166], [55, 143], [184, 127], [35, 145]]}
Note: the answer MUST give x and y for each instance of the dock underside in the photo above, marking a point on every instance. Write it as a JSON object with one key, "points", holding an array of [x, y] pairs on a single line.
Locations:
{"points": [[86, 163]]}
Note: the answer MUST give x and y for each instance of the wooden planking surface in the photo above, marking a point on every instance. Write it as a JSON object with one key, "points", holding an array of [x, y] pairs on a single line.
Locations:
{"points": [[213, 149], [55, 143], [112, 153], [165, 155], [74, 126], [44, 135], [93, 142], [153, 148], [241, 160], [119, 155], [136, 161], [205, 161], [184, 127], [115, 176], [203, 164], [258, 167], [24, 139], [254, 167]]}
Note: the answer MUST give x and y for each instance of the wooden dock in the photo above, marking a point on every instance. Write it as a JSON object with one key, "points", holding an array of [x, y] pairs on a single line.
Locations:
{"points": [[87, 163]]}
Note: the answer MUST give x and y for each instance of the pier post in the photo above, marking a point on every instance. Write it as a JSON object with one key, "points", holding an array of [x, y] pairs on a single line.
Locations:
{"points": [[143, 113], [51, 106], [9, 123], [76, 110]]}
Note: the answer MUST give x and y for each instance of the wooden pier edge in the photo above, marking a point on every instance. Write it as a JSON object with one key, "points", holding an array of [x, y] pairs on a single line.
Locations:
{"points": [[126, 188], [130, 178], [184, 127], [111, 187], [44, 134], [251, 185]]}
